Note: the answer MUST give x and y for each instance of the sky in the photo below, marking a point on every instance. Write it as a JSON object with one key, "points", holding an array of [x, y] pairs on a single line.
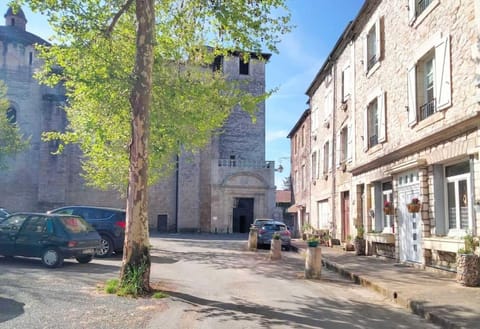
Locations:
{"points": [[302, 52]]}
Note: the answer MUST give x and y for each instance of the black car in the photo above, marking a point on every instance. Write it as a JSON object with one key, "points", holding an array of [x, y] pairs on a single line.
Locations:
{"points": [[51, 237], [109, 223]]}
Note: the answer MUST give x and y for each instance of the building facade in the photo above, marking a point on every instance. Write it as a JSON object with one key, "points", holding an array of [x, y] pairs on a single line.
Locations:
{"points": [[402, 127], [221, 188]]}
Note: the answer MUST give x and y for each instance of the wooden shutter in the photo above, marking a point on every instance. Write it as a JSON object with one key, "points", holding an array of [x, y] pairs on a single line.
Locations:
{"points": [[365, 129], [330, 155], [412, 95], [443, 91], [365, 53], [350, 142], [382, 134], [338, 148], [321, 161], [378, 41], [411, 12]]}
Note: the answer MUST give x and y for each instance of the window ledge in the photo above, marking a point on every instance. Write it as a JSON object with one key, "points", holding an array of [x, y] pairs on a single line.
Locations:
{"points": [[443, 244], [438, 116], [381, 237], [373, 69], [374, 149], [419, 19]]}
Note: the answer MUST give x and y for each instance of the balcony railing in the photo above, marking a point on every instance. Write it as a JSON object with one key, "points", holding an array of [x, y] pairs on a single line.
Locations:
{"points": [[372, 140], [245, 163], [372, 60], [428, 109]]}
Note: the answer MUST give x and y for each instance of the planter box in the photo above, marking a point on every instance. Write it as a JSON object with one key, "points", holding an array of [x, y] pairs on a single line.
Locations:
{"points": [[381, 237], [413, 207]]}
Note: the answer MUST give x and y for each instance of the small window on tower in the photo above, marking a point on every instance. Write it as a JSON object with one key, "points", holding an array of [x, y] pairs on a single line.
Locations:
{"points": [[244, 67], [30, 58], [13, 21], [12, 115]]}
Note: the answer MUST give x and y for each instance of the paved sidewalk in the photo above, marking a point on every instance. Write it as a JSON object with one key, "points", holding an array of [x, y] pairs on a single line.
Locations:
{"points": [[435, 296]]}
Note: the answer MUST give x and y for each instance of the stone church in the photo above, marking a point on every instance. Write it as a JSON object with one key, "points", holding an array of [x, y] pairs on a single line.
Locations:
{"points": [[226, 186]]}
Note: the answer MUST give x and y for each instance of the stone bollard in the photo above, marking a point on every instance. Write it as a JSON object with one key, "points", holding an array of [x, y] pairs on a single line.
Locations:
{"points": [[252, 238], [313, 263], [276, 249], [468, 273]]}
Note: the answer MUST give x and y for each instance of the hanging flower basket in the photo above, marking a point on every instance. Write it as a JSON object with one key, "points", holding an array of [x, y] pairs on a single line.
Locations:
{"points": [[414, 206], [388, 210]]}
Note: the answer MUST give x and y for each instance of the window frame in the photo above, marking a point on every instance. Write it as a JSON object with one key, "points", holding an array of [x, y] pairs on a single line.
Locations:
{"points": [[371, 62], [380, 98]]}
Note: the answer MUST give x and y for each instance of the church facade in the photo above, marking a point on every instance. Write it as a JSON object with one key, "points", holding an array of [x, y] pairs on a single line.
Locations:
{"points": [[226, 186]]}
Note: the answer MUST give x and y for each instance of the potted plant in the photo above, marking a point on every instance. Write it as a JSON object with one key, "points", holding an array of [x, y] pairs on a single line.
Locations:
{"points": [[306, 229], [414, 205], [387, 208], [276, 236], [312, 241], [359, 242], [348, 243], [326, 238], [468, 263]]}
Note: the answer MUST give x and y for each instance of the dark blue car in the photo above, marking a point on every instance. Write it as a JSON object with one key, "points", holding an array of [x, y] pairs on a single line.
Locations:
{"points": [[51, 237]]}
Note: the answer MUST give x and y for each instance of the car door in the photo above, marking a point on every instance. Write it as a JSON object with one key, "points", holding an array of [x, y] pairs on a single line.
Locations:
{"points": [[32, 236], [9, 229]]}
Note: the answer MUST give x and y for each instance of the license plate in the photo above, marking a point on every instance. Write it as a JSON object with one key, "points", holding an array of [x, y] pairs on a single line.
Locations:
{"points": [[88, 251]]}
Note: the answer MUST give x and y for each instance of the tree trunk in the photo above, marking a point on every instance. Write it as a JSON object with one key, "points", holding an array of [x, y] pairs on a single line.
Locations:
{"points": [[136, 256]]}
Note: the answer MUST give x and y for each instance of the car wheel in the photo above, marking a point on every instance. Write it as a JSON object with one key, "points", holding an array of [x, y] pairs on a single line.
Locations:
{"points": [[84, 259], [106, 247], [52, 257]]}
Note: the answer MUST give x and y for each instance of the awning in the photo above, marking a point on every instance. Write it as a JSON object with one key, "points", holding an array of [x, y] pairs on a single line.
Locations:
{"points": [[292, 209]]}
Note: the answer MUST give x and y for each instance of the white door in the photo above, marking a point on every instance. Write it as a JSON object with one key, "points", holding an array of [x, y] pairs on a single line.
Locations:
{"points": [[409, 224]]}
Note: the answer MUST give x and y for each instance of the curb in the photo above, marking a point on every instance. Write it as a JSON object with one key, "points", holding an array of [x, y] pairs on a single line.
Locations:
{"points": [[416, 307]]}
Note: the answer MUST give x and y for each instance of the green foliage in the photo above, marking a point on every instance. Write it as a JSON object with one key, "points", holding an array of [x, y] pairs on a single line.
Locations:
{"points": [[312, 238], [470, 244], [95, 49], [360, 232], [132, 281], [111, 286], [159, 295], [276, 236], [11, 139]]}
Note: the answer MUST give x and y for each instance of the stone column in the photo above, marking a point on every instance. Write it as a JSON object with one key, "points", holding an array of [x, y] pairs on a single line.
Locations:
{"points": [[313, 263], [252, 238], [276, 249], [468, 270]]}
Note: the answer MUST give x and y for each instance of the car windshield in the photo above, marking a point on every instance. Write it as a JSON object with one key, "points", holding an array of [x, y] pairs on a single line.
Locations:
{"points": [[76, 225], [274, 227]]}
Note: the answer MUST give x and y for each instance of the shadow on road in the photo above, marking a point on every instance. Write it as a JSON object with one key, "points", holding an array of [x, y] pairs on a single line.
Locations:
{"points": [[10, 309]]}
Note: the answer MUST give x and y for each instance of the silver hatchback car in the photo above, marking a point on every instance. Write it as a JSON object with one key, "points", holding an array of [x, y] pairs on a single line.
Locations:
{"points": [[265, 234]]}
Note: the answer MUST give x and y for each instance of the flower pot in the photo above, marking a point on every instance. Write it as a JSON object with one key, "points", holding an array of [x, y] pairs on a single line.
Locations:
{"points": [[413, 207], [312, 243], [388, 210], [359, 245]]}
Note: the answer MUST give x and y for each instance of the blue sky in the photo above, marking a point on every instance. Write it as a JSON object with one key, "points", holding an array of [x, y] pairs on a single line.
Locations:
{"points": [[319, 24]]}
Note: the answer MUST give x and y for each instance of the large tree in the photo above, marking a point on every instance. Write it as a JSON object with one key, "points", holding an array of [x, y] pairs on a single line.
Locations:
{"points": [[11, 139], [142, 64]]}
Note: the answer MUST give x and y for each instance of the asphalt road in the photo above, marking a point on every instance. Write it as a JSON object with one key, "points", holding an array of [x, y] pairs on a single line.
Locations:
{"points": [[213, 282]]}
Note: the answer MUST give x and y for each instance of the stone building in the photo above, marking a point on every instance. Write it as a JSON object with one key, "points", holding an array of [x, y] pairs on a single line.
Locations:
{"points": [[300, 145], [221, 188], [403, 126]]}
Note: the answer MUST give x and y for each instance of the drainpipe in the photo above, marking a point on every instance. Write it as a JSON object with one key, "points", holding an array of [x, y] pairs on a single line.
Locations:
{"points": [[334, 147]]}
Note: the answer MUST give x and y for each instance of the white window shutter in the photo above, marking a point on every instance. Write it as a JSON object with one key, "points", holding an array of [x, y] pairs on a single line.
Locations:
{"points": [[365, 54], [365, 130], [338, 149], [411, 11], [321, 162], [382, 111], [330, 155], [443, 90], [350, 142], [378, 41], [412, 95]]}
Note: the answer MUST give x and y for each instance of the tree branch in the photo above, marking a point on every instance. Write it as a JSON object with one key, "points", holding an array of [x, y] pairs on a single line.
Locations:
{"points": [[118, 15]]}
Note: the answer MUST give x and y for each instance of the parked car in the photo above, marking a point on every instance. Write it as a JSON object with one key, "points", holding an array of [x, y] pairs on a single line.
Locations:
{"points": [[259, 222], [265, 234], [109, 223], [51, 237], [3, 213]]}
